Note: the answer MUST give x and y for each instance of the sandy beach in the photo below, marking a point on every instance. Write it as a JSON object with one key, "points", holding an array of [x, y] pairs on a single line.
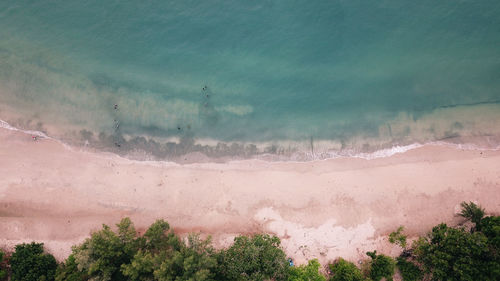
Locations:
{"points": [[320, 209]]}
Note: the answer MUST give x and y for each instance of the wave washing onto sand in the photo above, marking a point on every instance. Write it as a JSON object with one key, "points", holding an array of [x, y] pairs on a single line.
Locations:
{"points": [[33, 133], [144, 156]]}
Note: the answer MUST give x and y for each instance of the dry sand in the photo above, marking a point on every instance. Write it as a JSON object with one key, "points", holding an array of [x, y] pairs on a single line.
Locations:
{"points": [[323, 209]]}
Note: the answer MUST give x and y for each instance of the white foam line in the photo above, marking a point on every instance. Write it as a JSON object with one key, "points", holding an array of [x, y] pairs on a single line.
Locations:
{"points": [[387, 152], [5, 125]]}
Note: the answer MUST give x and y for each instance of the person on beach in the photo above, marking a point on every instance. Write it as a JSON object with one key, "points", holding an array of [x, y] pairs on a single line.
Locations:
{"points": [[34, 138]]}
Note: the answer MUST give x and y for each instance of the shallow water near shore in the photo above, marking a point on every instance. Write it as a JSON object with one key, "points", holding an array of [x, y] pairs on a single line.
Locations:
{"points": [[287, 79]]}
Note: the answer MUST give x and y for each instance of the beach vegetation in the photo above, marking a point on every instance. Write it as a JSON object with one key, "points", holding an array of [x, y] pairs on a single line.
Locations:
{"points": [[472, 212], [343, 270], [397, 237], [445, 253], [381, 266], [259, 257], [194, 261], [490, 227], [102, 255], [68, 271], [3, 265], [309, 272], [448, 253], [409, 270], [30, 262]]}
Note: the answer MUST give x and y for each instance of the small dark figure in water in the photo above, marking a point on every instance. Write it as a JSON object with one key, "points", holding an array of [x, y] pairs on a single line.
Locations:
{"points": [[178, 128], [116, 106], [117, 144], [204, 88]]}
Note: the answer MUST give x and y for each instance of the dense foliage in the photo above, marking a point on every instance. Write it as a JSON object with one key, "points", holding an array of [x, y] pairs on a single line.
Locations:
{"points": [[455, 254], [381, 266], [472, 212], [409, 271], [3, 270], [445, 253], [309, 272], [343, 270], [253, 258], [448, 253], [29, 262]]}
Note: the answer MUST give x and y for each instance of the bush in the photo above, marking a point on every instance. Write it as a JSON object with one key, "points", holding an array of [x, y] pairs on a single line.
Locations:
{"points": [[309, 272], [253, 258], [68, 271], [472, 212], [157, 245], [409, 271], [381, 266], [194, 261], [398, 238], [490, 227], [343, 270], [455, 254], [29, 262], [3, 270], [102, 255]]}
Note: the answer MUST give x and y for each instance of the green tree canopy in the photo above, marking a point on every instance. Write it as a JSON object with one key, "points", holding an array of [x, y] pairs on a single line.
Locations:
{"points": [[455, 254], [381, 266], [3, 271], [472, 212], [68, 271], [490, 227], [309, 272], [158, 244], [29, 263], [409, 271], [193, 262], [343, 270], [253, 258], [102, 255]]}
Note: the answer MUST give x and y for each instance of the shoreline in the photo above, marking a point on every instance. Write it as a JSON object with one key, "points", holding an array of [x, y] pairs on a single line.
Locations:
{"points": [[320, 209], [267, 157]]}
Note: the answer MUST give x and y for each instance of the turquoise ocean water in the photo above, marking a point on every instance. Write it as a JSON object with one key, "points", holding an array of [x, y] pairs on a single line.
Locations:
{"points": [[299, 79]]}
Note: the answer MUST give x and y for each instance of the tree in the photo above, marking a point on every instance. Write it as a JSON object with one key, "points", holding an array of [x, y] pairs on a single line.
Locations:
{"points": [[29, 262], [158, 244], [455, 254], [381, 266], [102, 255], [309, 272], [253, 258], [472, 212], [68, 271], [194, 261], [159, 237], [3, 271], [398, 238], [409, 271], [490, 227], [343, 270], [141, 267]]}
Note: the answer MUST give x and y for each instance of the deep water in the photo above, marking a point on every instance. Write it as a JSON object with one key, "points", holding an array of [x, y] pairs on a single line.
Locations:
{"points": [[283, 77]]}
